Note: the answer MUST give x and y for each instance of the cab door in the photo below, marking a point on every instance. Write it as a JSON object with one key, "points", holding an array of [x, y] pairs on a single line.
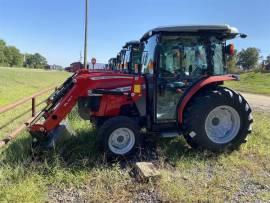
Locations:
{"points": [[171, 82], [180, 64]]}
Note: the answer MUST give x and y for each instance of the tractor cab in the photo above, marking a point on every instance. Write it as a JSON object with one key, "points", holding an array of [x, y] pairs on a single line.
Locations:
{"points": [[112, 64], [175, 59], [118, 61], [132, 57], [121, 60]]}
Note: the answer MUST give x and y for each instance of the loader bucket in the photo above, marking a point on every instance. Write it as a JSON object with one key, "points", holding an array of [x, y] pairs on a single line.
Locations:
{"points": [[56, 137]]}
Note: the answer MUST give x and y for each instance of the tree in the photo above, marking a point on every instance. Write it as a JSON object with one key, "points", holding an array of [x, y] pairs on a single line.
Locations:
{"points": [[266, 63], [12, 56], [268, 60], [232, 63], [2, 55], [248, 58], [35, 61]]}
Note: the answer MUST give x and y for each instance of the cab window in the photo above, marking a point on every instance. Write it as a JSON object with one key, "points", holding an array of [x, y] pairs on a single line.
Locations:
{"points": [[218, 58], [148, 55], [185, 57], [136, 60], [126, 60]]}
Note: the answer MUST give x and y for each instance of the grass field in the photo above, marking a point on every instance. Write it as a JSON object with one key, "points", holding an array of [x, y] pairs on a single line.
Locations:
{"points": [[258, 83], [79, 172], [18, 83]]}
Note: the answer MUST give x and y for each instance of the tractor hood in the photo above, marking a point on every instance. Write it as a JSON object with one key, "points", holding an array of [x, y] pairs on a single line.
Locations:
{"points": [[105, 79]]}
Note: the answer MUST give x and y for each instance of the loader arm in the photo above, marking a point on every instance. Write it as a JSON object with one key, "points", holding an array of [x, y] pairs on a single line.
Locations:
{"points": [[59, 105], [81, 84], [64, 107]]}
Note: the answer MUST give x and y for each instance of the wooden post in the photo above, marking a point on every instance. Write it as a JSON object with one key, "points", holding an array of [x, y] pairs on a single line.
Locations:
{"points": [[33, 106]]}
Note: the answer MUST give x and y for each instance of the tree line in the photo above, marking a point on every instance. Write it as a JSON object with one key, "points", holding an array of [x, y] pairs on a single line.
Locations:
{"points": [[247, 60], [11, 56]]}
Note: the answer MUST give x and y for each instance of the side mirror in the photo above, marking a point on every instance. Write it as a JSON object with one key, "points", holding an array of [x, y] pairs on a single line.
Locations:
{"points": [[242, 35], [229, 49]]}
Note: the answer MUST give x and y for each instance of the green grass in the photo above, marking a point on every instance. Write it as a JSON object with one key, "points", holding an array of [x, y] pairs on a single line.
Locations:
{"points": [[18, 83], [258, 83], [79, 172]]}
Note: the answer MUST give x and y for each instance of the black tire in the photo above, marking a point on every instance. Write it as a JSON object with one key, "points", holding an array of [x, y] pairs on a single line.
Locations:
{"points": [[199, 108], [97, 123], [109, 126]]}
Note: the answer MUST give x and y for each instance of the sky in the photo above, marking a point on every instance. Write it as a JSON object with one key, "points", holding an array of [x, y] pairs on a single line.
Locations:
{"points": [[54, 28]]}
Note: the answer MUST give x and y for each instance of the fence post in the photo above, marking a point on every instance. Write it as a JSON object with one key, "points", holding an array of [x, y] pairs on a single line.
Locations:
{"points": [[33, 106]]}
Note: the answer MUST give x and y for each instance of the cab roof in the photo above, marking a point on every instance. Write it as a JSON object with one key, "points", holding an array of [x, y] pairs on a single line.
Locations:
{"points": [[225, 31], [131, 43]]}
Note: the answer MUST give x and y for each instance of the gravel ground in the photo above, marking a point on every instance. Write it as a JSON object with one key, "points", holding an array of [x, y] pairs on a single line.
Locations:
{"points": [[72, 195], [258, 102]]}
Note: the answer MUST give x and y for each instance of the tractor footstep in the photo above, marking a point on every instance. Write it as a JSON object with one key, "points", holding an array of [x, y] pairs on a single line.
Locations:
{"points": [[170, 134]]}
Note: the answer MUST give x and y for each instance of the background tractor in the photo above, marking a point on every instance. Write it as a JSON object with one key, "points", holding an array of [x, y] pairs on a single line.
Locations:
{"points": [[112, 64], [132, 57], [176, 90]]}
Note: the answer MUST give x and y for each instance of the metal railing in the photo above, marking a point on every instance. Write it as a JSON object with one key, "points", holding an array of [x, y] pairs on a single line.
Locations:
{"points": [[16, 104]]}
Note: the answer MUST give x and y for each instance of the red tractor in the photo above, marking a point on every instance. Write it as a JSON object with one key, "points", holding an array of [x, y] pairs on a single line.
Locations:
{"points": [[177, 90]]}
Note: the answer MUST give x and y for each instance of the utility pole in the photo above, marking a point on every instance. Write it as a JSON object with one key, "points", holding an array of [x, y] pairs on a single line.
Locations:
{"points": [[85, 34]]}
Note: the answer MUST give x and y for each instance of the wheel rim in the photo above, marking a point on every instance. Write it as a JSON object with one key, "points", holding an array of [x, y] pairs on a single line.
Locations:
{"points": [[121, 141], [222, 124]]}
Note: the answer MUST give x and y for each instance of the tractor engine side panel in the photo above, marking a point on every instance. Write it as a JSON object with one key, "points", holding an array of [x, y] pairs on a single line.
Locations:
{"points": [[87, 105], [111, 105]]}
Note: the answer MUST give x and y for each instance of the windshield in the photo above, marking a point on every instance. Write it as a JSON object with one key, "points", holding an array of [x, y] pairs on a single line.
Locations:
{"points": [[148, 55], [136, 60], [188, 56], [126, 60], [122, 60], [112, 64]]}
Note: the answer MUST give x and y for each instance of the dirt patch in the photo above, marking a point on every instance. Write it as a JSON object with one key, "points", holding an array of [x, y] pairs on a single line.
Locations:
{"points": [[258, 102], [252, 190]]}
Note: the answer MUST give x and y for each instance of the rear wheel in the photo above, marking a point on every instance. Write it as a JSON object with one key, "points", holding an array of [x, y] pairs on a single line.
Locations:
{"points": [[119, 136], [217, 119]]}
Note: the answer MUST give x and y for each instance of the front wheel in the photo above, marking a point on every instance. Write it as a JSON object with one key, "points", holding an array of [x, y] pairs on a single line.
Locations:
{"points": [[119, 136], [218, 119]]}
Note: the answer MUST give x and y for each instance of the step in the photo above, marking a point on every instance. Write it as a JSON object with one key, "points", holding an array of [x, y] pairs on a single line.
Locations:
{"points": [[146, 170], [169, 134]]}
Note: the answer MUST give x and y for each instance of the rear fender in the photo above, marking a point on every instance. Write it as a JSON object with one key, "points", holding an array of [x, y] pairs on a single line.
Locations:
{"points": [[213, 80]]}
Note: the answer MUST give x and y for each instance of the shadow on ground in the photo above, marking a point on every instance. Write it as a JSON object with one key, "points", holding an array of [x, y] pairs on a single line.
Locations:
{"points": [[83, 151]]}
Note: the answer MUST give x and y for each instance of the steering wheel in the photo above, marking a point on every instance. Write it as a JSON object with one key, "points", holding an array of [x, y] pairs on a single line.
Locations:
{"points": [[197, 72], [165, 72]]}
